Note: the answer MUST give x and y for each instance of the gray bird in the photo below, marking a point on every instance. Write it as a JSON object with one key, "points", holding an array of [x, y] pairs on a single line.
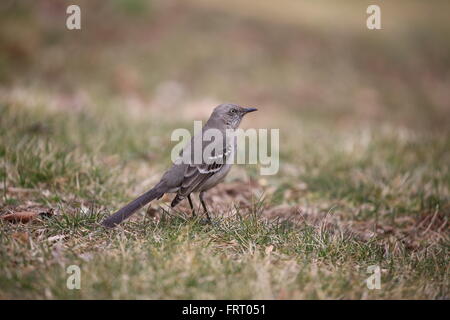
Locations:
{"points": [[186, 175]]}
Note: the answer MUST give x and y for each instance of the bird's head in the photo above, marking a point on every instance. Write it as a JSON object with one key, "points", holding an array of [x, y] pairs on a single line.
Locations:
{"points": [[230, 114]]}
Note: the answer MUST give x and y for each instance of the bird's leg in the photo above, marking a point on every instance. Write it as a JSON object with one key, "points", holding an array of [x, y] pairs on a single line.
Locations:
{"points": [[192, 206], [204, 205]]}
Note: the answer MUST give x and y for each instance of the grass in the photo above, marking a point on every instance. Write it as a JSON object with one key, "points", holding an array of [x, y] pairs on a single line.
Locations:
{"points": [[364, 144], [178, 258], [244, 254]]}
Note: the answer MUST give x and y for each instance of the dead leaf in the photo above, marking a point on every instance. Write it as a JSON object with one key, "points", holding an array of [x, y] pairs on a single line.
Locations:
{"points": [[26, 216], [20, 216], [21, 236], [152, 212]]}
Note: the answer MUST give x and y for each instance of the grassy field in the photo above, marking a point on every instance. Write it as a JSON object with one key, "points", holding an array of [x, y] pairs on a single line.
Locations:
{"points": [[85, 124]]}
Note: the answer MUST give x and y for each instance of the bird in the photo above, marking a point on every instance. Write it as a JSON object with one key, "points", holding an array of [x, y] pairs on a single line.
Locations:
{"points": [[187, 175]]}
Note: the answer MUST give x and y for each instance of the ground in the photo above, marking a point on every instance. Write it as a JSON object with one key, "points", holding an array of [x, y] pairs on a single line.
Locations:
{"points": [[85, 123]]}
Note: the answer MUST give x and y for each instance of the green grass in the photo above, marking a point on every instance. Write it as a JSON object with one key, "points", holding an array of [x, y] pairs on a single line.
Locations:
{"points": [[85, 124]]}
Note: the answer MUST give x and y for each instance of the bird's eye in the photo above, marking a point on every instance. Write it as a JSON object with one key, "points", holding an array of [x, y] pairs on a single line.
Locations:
{"points": [[233, 110]]}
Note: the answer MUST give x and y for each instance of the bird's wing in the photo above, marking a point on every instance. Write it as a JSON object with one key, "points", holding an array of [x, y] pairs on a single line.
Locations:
{"points": [[196, 174]]}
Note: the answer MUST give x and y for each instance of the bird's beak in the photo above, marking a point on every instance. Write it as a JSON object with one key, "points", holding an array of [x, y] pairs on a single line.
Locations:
{"points": [[247, 110]]}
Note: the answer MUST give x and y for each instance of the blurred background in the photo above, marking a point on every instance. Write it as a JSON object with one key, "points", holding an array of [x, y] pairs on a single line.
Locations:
{"points": [[313, 60]]}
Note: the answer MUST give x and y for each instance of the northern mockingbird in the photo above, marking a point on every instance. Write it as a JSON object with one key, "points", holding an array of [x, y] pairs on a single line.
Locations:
{"points": [[194, 172]]}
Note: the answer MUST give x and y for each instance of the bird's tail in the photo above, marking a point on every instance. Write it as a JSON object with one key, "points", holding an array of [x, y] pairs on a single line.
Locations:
{"points": [[132, 207]]}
